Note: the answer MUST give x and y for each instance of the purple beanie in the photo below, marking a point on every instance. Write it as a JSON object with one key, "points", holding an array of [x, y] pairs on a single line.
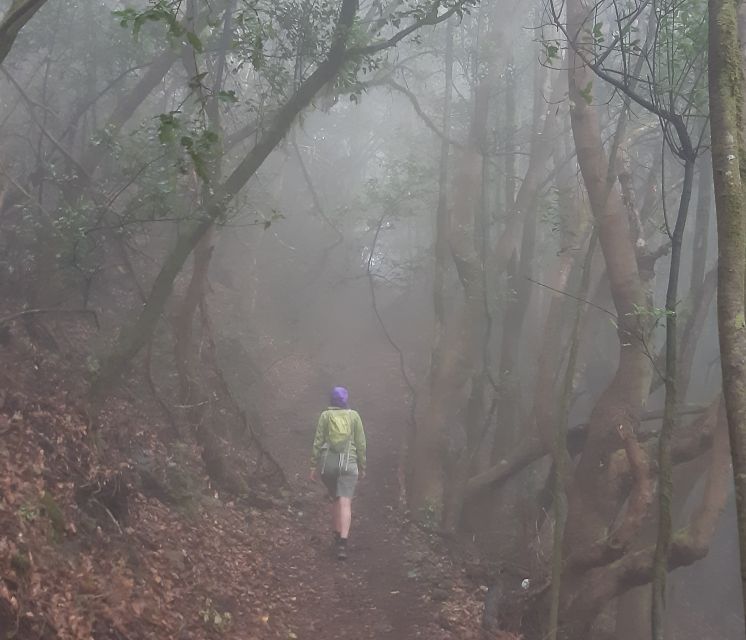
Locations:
{"points": [[339, 397]]}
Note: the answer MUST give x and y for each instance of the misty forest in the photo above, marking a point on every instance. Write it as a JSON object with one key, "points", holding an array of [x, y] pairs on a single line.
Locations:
{"points": [[510, 235]]}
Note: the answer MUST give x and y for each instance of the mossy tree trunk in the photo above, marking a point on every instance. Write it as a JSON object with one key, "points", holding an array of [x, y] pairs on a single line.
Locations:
{"points": [[729, 169]]}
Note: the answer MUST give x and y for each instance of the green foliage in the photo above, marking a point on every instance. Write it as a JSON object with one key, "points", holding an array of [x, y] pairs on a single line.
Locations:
{"points": [[587, 92], [681, 53], [159, 11], [53, 512], [214, 619], [656, 313], [401, 188], [430, 515], [549, 213], [228, 96], [598, 33], [29, 512], [199, 144], [169, 125], [551, 50], [653, 317]]}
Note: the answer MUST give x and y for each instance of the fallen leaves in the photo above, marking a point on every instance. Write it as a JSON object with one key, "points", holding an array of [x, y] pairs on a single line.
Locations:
{"points": [[212, 571]]}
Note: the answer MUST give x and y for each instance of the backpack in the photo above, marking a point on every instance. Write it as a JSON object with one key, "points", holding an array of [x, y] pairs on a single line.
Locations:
{"points": [[339, 430]]}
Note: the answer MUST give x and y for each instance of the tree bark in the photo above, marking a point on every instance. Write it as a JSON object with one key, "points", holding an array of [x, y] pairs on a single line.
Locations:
{"points": [[701, 224], [635, 569], [665, 463], [560, 454], [462, 358], [590, 510], [136, 335], [442, 255], [729, 170], [518, 284], [183, 324], [20, 12]]}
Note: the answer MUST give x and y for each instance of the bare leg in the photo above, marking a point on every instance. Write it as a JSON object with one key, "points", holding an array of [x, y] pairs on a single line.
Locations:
{"points": [[335, 515], [344, 516]]}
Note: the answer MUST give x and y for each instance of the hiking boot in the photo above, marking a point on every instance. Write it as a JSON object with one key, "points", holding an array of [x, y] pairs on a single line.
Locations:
{"points": [[342, 552]]}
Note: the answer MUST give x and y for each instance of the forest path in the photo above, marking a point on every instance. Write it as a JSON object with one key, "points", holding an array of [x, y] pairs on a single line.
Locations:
{"points": [[384, 589], [398, 580]]}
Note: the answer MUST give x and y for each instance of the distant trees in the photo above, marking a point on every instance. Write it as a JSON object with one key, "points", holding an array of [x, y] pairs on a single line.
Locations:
{"points": [[537, 205], [623, 58], [341, 51]]}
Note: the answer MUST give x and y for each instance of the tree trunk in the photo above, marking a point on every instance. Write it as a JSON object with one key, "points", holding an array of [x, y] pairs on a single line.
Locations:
{"points": [[729, 170], [701, 224], [561, 458], [518, 284], [590, 510], [183, 351], [136, 335], [20, 12], [665, 464], [461, 355], [442, 255]]}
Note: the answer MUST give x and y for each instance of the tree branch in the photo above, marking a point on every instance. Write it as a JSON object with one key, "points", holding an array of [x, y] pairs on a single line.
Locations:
{"points": [[20, 12], [424, 117], [431, 19]]}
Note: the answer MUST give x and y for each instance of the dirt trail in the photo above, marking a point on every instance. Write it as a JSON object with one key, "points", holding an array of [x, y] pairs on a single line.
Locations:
{"points": [[394, 584], [377, 592]]}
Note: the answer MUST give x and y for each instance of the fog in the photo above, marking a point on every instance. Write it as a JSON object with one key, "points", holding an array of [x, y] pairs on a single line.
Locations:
{"points": [[467, 213]]}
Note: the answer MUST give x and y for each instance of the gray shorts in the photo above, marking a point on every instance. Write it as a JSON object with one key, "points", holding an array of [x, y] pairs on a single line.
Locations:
{"points": [[341, 483]]}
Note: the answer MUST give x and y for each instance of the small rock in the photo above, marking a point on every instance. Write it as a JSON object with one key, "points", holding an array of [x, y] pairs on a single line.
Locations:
{"points": [[439, 594]]}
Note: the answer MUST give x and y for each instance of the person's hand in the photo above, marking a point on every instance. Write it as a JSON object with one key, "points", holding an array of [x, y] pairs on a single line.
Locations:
{"points": [[361, 474], [313, 475]]}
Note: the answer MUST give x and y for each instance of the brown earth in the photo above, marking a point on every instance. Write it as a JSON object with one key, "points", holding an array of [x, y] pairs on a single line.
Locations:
{"points": [[110, 531]]}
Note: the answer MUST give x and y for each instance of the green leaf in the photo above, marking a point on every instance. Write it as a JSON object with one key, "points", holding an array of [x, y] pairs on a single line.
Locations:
{"points": [[257, 52], [194, 40], [587, 93], [598, 34], [227, 96], [551, 50], [167, 128]]}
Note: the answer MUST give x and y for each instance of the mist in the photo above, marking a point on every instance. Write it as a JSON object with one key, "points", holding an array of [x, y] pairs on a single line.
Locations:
{"points": [[511, 231]]}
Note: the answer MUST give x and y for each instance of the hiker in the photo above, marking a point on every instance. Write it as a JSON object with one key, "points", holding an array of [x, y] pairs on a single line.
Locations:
{"points": [[339, 458]]}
